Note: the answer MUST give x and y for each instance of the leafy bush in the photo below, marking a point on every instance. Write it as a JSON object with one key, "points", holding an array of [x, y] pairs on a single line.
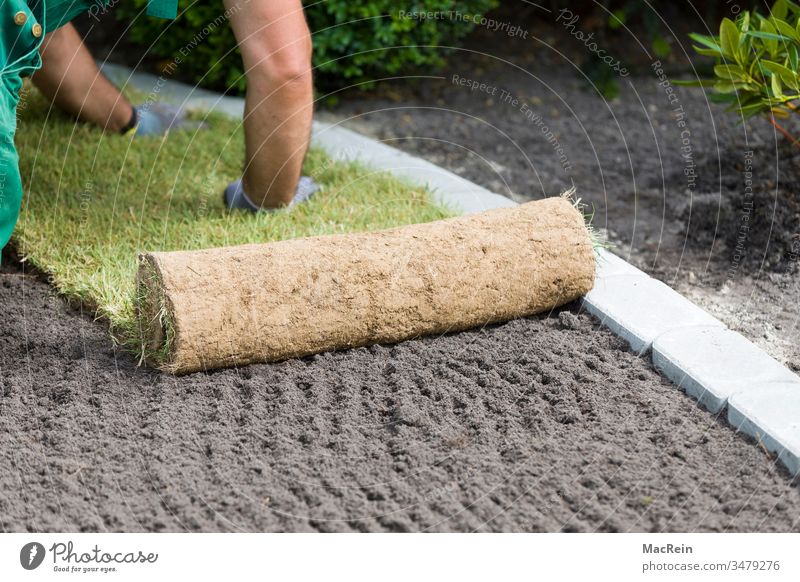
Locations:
{"points": [[757, 59], [354, 42], [612, 23], [652, 27]]}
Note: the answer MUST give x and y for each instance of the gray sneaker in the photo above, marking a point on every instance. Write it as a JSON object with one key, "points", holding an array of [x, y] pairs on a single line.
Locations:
{"points": [[236, 198]]}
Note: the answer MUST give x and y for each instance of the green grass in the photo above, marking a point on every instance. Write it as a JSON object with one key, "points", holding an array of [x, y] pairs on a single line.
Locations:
{"points": [[94, 201]]}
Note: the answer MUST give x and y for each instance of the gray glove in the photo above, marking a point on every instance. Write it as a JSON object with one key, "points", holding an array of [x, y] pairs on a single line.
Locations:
{"points": [[235, 196], [157, 119]]}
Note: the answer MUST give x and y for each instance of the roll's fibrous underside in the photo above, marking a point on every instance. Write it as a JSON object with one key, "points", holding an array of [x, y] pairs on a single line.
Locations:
{"points": [[224, 307]]}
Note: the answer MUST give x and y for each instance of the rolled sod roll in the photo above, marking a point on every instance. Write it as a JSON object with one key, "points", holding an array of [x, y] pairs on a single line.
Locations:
{"points": [[216, 308]]}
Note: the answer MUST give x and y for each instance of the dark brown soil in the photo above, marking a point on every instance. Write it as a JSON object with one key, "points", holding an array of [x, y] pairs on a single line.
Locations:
{"points": [[734, 253], [541, 424]]}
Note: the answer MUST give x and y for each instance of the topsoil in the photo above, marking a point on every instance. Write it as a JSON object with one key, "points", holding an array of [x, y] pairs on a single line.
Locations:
{"points": [[541, 424], [679, 186]]}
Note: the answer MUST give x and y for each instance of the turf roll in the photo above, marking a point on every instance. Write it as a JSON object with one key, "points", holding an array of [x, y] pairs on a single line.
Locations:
{"points": [[222, 307]]}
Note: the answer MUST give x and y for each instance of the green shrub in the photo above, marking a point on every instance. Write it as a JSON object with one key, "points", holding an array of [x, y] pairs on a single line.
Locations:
{"points": [[757, 60], [354, 42]]}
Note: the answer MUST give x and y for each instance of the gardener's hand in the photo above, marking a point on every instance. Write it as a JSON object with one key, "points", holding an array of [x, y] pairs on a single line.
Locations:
{"points": [[235, 196], [157, 119]]}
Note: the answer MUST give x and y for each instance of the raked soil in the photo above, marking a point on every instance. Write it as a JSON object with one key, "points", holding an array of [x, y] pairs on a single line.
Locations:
{"points": [[679, 185], [541, 424]]}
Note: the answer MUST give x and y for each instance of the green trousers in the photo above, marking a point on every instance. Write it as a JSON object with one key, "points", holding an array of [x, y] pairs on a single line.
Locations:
{"points": [[23, 24]]}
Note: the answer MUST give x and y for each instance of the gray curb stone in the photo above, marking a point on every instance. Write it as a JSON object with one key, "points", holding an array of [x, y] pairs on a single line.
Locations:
{"points": [[447, 188], [690, 347], [156, 88], [639, 308], [609, 265], [714, 363], [771, 415]]}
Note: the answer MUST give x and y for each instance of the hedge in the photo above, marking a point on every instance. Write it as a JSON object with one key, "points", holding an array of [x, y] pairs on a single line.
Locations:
{"points": [[355, 43]]}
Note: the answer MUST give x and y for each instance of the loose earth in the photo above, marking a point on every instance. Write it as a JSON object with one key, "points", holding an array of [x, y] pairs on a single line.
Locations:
{"points": [[540, 424]]}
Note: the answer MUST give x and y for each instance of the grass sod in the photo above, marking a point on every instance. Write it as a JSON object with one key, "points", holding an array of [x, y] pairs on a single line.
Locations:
{"points": [[94, 201]]}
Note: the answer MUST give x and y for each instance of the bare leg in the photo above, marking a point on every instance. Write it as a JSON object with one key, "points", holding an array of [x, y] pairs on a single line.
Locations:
{"points": [[70, 78], [276, 50]]}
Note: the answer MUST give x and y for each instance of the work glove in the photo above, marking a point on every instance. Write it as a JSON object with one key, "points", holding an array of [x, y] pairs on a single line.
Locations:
{"points": [[157, 119], [235, 196]]}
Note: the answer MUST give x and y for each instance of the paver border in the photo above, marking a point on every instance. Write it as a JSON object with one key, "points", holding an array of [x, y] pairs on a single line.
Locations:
{"points": [[649, 315]]}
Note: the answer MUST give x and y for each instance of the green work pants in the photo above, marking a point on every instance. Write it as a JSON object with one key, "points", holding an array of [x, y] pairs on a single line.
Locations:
{"points": [[23, 24]]}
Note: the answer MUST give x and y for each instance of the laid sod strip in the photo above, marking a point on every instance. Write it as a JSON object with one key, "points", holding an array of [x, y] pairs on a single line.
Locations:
{"points": [[95, 201], [304, 296]]}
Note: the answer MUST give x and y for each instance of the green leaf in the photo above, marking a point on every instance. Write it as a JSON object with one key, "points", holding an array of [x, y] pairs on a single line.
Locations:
{"points": [[617, 19], [693, 82], [707, 52], [731, 72], [788, 76], [785, 29], [661, 47], [748, 89], [708, 41], [755, 70], [793, 6], [768, 36], [779, 9], [748, 111], [777, 90], [729, 39], [743, 22], [724, 87], [723, 98]]}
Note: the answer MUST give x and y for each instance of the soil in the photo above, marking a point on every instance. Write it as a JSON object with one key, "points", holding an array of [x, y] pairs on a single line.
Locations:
{"points": [[714, 213], [727, 237], [541, 424]]}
